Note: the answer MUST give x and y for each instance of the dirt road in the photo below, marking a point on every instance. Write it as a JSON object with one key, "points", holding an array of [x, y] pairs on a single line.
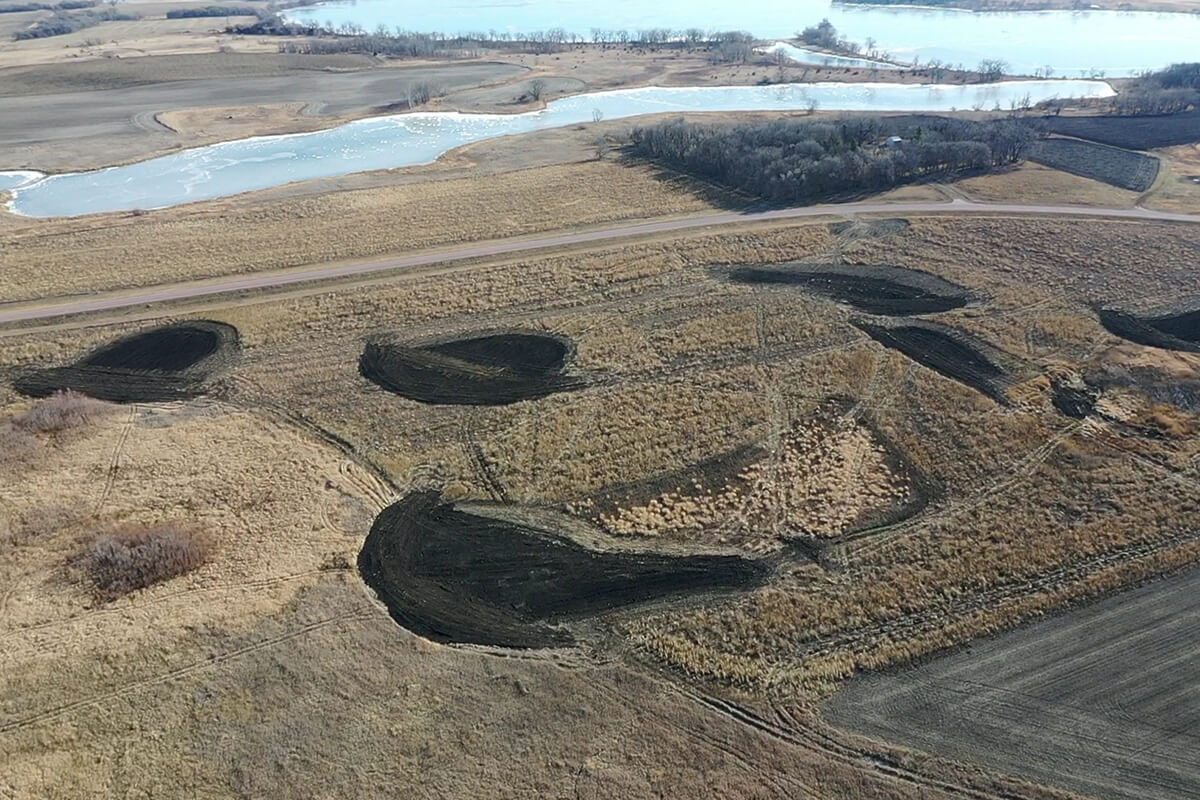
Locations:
{"points": [[56, 307]]}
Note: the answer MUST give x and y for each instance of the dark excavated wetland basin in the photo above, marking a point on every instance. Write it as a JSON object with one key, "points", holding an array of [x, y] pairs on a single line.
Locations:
{"points": [[944, 350], [889, 291], [484, 370], [1177, 331], [454, 575], [170, 362]]}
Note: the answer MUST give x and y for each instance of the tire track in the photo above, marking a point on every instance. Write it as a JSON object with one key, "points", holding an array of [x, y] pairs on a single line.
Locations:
{"points": [[263, 583], [871, 539], [65, 709], [114, 462], [913, 624], [808, 736]]}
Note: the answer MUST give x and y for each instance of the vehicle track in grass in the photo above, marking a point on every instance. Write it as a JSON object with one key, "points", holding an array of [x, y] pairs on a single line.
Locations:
{"points": [[451, 259]]}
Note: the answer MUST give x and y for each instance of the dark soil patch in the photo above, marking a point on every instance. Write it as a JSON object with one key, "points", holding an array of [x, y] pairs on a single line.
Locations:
{"points": [[485, 370], [457, 576], [1073, 401], [1112, 165], [170, 349], [890, 291], [1169, 332], [171, 362], [1144, 132], [946, 351]]}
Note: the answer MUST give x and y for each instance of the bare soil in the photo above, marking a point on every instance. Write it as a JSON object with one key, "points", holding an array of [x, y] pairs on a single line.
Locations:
{"points": [[485, 370], [1099, 700], [171, 362], [66, 127], [947, 351], [1170, 331], [461, 576], [874, 289], [1132, 133], [1115, 166]]}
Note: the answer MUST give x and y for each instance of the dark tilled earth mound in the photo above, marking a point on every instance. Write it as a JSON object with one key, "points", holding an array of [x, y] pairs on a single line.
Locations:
{"points": [[1073, 401], [456, 576], [946, 351], [484, 370], [170, 349], [1169, 332], [1100, 162], [1142, 132], [171, 362], [889, 291]]}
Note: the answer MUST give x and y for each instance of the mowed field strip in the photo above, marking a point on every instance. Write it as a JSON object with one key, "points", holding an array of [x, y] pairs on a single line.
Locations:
{"points": [[109, 301], [1101, 700]]}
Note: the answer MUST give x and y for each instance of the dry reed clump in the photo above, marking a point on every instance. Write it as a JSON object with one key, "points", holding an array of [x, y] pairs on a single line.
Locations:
{"points": [[823, 479], [62, 411], [124, 560]]}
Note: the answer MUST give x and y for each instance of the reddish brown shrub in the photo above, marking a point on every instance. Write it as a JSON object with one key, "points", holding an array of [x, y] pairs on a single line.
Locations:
{"points": [[61, 411], [127, 559]]}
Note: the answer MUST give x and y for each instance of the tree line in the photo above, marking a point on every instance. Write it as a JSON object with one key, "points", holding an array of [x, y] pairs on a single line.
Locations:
{"points": [[211, 11], [1167, 91], [64, 22], [800, 161], [65, 5], [722, 46]]}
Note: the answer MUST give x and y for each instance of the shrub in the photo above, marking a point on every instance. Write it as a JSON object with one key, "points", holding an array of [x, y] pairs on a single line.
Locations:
{"points": [[124, 560], [61, 411]]}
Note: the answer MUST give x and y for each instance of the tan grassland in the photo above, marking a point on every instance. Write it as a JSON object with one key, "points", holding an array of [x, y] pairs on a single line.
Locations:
{"points": [[239, 681], [685, 366], [900, 512], [132, 39], [1178, 184], [1034, 183], [234, 236]]}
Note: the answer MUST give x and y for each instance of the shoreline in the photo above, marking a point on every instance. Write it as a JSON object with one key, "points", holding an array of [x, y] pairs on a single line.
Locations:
{"points": [[541, 106], [1019, 7], [14, 193]]}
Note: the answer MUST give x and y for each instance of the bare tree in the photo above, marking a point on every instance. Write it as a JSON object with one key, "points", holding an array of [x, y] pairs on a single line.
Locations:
{"points": [[537, 89], [992, 69]]}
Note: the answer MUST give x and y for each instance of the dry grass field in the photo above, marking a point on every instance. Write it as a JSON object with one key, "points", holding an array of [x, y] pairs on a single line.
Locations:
{"points": [[1033, 183], [1178, 186], [183, 611], [135, 250], [896, 511]]}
